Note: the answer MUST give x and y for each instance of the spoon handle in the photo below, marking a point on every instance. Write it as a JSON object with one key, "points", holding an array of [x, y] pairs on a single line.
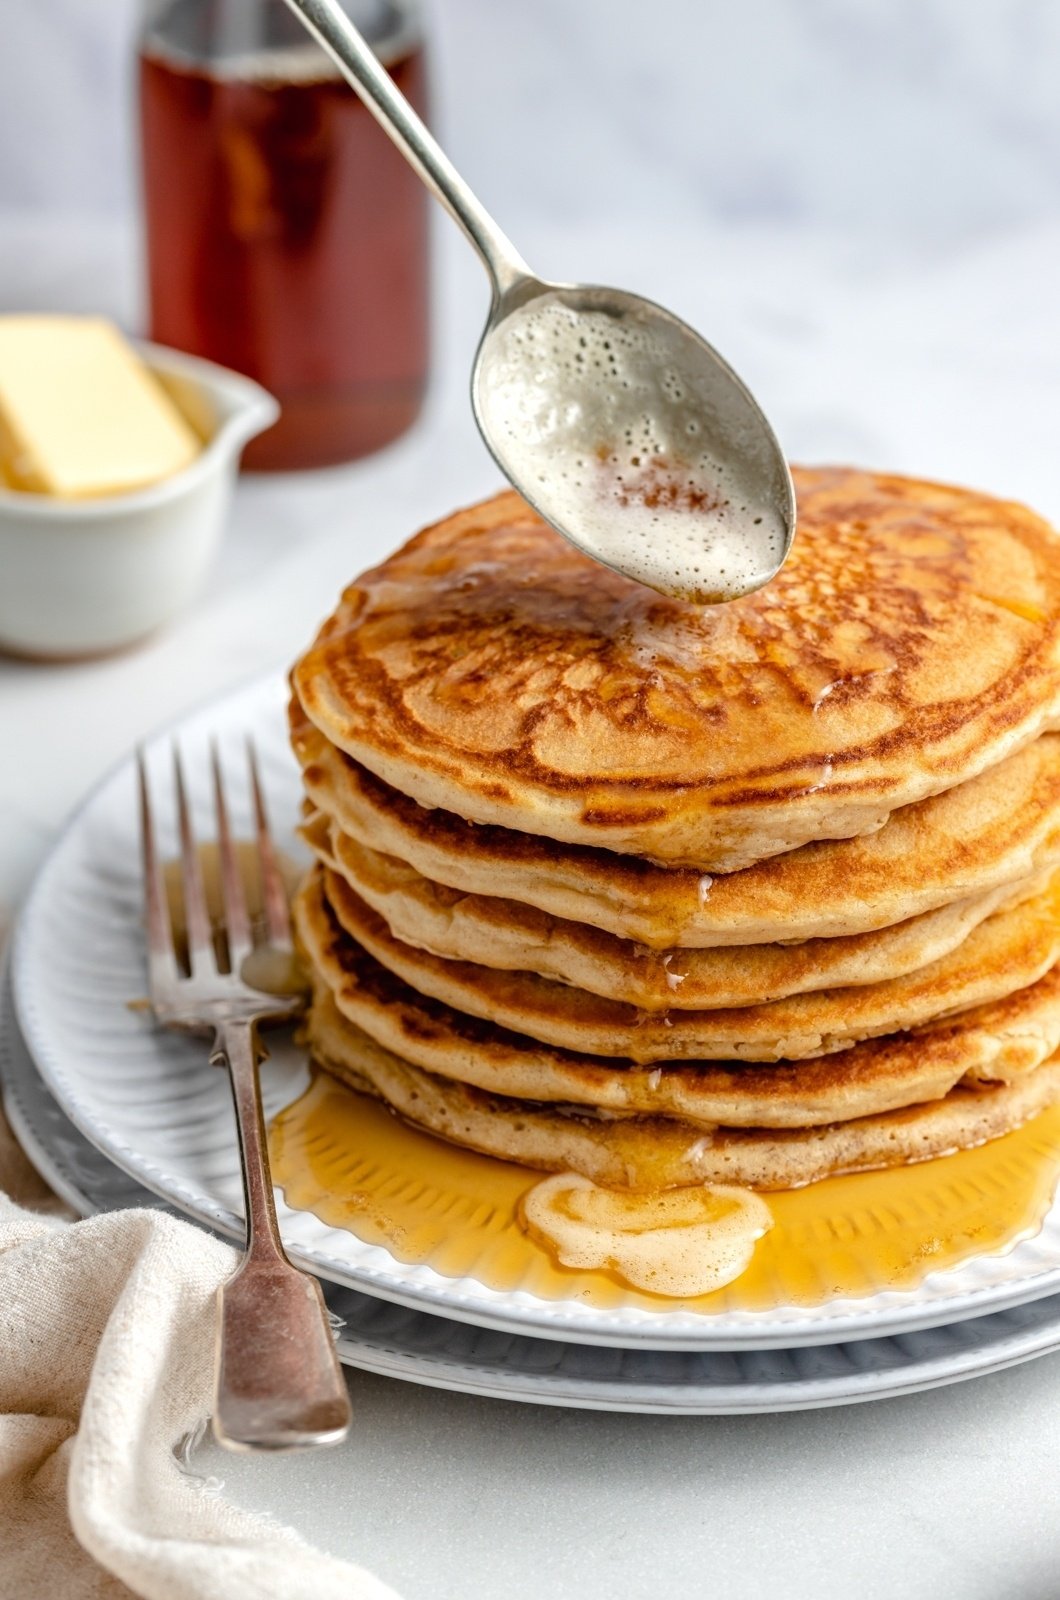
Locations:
{"points": [[332, 28]]}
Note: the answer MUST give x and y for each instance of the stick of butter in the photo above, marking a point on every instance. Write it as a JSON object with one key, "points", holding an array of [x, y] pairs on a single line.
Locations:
{"points": [[80, 413]]}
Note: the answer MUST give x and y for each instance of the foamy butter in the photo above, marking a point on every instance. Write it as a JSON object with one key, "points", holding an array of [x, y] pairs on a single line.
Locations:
{"points": [[674, 1242], [611, 439]]}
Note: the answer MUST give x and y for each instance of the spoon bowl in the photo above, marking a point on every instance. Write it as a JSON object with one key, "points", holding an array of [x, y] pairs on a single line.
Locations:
{"points": [[633, 437], [621, 426]]}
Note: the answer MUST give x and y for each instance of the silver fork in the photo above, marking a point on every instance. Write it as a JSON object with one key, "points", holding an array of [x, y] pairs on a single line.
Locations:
{"points": [[279, 1383]]}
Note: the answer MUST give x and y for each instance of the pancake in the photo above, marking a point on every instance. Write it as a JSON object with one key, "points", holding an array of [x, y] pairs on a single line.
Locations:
{"points": [[491, 669], [660, 1152], [995, 830], [998, 1042], [516, 938], [1007, 952]]}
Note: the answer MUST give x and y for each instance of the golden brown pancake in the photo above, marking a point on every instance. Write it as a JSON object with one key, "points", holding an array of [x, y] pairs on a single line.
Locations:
{"points": [[910, 642], [504, 934], [1007, 952], [658, 1152], [993, 1043], [995, 830]]}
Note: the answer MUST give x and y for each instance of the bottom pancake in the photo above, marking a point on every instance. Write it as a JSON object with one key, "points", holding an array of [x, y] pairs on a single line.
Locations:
{"points": [[641, 1152]]}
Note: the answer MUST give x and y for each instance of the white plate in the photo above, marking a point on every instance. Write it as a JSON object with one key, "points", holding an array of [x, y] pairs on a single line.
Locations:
{"points": [[154, 1106], [401, 1343]]}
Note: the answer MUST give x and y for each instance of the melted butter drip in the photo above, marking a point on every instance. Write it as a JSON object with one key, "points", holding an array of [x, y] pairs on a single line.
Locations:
{"points": [[1025, 609], [346, 1158], [676, 1242]]}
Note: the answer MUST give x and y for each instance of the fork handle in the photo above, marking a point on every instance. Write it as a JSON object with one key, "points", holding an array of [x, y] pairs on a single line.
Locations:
{"points": [[279, 1383]]}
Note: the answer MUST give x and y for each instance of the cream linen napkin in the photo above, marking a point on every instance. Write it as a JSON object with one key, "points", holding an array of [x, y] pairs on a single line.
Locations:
{"points": [[106, 1354]]}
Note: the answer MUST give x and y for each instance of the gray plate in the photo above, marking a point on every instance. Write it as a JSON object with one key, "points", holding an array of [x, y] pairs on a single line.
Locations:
{"points": [[402, 1343]]}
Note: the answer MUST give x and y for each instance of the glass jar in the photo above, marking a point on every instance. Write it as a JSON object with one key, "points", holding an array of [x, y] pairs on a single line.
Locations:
{"points": [[286, 236]]}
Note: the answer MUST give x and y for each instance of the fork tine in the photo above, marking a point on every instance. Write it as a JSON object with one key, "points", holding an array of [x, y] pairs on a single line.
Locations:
{"points": [[273, 888], [237, 922], [161, 957], [201, 957]]}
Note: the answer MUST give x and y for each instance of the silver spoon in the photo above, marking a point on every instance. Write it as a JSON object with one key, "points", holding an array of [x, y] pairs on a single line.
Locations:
{"points": [[614, 419]]}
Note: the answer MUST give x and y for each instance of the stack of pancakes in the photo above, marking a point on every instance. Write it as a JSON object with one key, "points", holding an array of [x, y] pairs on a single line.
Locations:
{"points": [[659, 894]]}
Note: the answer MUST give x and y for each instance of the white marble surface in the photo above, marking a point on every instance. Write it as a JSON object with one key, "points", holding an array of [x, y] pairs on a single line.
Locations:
{"points": [[901, 118], [943, 1496], [857, 199]]}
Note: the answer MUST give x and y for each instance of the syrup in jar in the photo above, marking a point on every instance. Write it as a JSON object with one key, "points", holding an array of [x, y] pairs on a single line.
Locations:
{"points": [[286, 236]]}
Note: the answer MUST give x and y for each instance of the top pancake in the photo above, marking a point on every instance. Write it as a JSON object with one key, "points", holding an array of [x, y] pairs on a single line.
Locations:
{"points": [[911, 641]]}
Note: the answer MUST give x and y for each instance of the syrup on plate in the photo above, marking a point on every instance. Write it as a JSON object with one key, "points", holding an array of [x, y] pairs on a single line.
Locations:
{"points": [[344, 1157]]}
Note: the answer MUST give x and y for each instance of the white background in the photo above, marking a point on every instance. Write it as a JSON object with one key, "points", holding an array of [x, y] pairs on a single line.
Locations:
{"points": [[859, 202], [907, 121]]}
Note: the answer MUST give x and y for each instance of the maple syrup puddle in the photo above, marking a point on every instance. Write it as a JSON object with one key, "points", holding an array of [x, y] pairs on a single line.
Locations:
{"points": [[355, 1165]]}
